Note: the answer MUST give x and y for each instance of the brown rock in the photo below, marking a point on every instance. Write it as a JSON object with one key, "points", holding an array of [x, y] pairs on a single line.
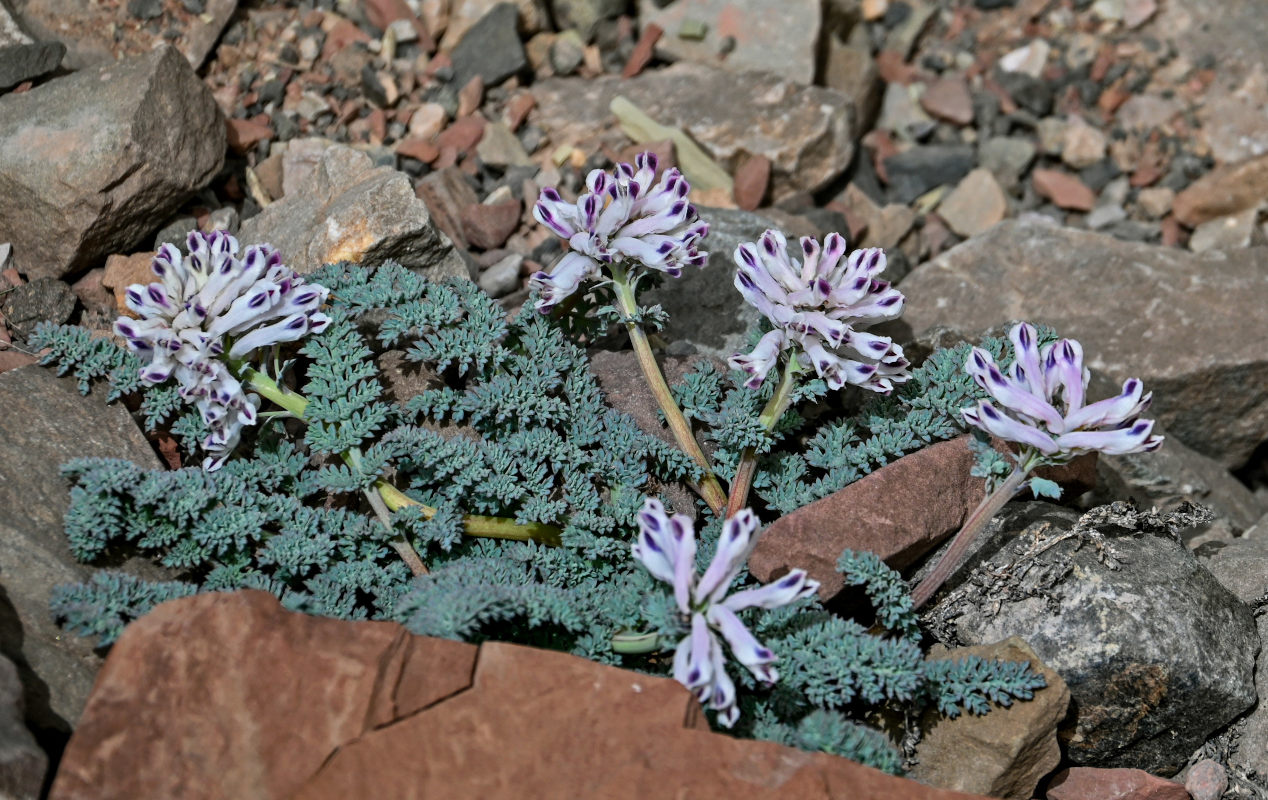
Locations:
{"points": [[1227, 190], [427, 121], [462, 134], [12, 359], [382, 13], [123, 271], [1081, 144], [91, 291], [643, 50], [487, 226], [1063, 189], [425, 152], [446, 193], [751, 180], [244, 134], [1005, 752], [1090, 783], [308, 707], [470, 96], [948, 99], [1207, 780], [517, 109], [1194, 344], [976, 204]]}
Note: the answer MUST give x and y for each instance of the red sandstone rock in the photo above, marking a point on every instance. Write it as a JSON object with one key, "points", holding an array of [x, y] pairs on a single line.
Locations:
{"points": [[123, 271], [751, 181], [1089, 783], [488, 226], [948, 99], [244, 134], [1063, 189], [1227, 190]]}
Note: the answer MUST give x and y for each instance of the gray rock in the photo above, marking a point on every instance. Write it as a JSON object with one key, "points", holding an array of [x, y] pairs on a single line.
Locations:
{"points": [[22, 62], [41, 300], [1007, 158], [704, 307], [58, 424], [779, 38], [807, 132], [1157, 654], [503, 277], [346, 209], [1190, 326], [916, 171], [1242, 564], [491, 48], [11, 32], [22, 762], [90, 161], [585, 15]]}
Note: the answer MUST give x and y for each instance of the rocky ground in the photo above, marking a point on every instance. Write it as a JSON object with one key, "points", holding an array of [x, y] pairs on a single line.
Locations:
{"points": [[1101, 167]]}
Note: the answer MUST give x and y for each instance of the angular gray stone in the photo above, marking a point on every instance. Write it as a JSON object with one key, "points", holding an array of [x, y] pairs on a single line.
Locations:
{"points": [[22, 762], [807, 132], [704, 307], [1242, 564], [346, 209], [41, 300], [1191, 326], [779, 38], [585, 15], [1157, 654], [503, 277], [11, 32], [92, 162], [57, 424], [22, 62], [491, 48]]}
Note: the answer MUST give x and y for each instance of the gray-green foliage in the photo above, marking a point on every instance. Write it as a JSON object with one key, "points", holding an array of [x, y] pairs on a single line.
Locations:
{"points": [[513, 424]]}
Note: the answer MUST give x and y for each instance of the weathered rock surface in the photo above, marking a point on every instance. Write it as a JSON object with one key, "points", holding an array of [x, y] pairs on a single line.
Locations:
{"points": [[764, 37], [1227, 190], [348, 209], [1087, 783], [807, 132], [57, 425], [308, 707], [1190, 326], [1157, 654], [22, 762], [900, 512], [1005, 752], [22, 62], [490, 48], [41, 300], [90, 163]]}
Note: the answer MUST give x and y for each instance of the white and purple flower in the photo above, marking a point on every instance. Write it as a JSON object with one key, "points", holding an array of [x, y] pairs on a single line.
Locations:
{"points": [[1048, 428], [621, 217], [818, 306], [210, 305], [667, 548]]}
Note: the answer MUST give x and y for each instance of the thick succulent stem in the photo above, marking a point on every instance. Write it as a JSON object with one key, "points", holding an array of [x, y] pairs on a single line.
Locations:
{"points": [[954, 555], [709, 488], [775, 408]]}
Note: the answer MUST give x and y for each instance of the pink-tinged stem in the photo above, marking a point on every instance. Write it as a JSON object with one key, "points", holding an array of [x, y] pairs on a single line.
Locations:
{"points": [[954, 555], [708, 488], [775, 408]]}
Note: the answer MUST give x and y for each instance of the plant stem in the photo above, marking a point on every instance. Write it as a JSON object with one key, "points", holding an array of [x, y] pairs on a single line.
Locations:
{"points": [[393, 498], [709, 488], [775, 408], [954, 555]]}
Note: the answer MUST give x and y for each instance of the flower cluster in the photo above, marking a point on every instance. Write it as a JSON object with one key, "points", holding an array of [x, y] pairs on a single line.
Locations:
{"points": [[621, 216], [209, 305], [667, 548], [818, 306], [1029, 389]]}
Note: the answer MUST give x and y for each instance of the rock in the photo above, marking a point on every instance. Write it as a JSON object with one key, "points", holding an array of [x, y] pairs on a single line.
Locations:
{"points": [[428, 120], [900, 512], [365, 709], [503, 277], [762, 37], [850, 69], [446, 193], [1240, 565], [567, 53], [491, 48], [459, 16], [1155, 201], [244, 134], [1007, 158], [1032, 94], [499, 147], [1157, 654], [901, 113], [90, 161], [1082, 145], [916, 171], [1225, 233], [1103, 216], [123, 271], [1144, 112], [488, 226], [1063, 189], [1028, 60], [1252, 746], [1207, 780], [11, 32], [24, 62], [704, 311], [41, 300], [349, 210], [1227, 190], [976, 204], [751, 181], [58, 424], [1083, 783], [22, 762], [807, 132], [904, 35], [585, 15], [625, 388], [948, 99], [1190, 342], [1005, 752]]}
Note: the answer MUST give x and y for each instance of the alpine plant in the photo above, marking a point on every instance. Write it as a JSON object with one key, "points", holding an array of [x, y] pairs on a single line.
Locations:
{"points": [[666, 546], [206, 314], [817, 309], [1039, 403], [621, 217]]}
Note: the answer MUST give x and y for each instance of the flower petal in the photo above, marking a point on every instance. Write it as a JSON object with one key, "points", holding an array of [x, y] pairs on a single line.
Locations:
{"points": [[1135, 438], [744, 646], [793, 586], [989, 419], [731, 553]]}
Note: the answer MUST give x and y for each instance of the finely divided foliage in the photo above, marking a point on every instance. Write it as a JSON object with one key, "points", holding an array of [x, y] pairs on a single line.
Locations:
{"points": [[512, 423]]}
